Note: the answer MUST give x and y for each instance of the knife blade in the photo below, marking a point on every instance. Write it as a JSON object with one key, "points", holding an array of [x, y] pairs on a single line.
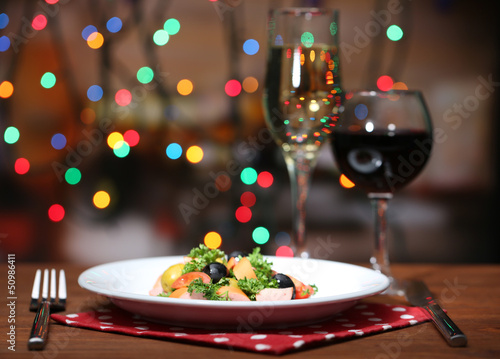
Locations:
{"points": [[418, 294]]}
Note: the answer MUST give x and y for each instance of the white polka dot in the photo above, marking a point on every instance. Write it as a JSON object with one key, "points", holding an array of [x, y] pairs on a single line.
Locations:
{"points": [[399, 309], [386, 326], [72, 315], [407, 316], [104, 327], [299, 343], [329, 336], [368, 313], [413, 322], [221, 340], [142, 328], [107, 323], [258, 336], [295, 336], [320, 332], [374, 319], [179, 334], [70, 321], [349, 325], [104, 317], [360, 306], [262, 347], [356, 331]]}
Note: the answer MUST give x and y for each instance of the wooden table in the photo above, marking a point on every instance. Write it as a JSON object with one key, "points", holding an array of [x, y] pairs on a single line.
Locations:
{"points": [[470, 293]]}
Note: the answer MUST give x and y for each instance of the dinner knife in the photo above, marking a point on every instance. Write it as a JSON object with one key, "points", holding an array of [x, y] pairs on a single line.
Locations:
{"points": [[419, 295]]}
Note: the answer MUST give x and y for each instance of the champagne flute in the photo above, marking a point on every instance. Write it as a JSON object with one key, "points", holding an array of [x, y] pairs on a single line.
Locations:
{"points": [[381, 143], [302, 97]]}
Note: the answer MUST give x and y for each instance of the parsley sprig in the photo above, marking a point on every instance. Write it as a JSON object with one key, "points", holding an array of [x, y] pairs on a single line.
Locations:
{"points": [[201, 256]]}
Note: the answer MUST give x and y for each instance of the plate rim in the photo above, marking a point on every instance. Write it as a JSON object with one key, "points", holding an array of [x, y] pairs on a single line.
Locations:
{"points": [[225, 304]]}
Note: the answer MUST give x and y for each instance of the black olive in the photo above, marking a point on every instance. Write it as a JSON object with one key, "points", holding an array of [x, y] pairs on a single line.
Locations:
{"points": [[216, 271], [235, 254], [284, 281]]}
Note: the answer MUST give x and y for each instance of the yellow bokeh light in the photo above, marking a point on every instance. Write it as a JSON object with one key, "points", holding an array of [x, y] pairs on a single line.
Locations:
{"points": [[212, 240], [95, 40], [6, 89], [250, 84], [312, 55], [114, 138], [101, 199], [345, 182], [184, 87], [194, 154]]}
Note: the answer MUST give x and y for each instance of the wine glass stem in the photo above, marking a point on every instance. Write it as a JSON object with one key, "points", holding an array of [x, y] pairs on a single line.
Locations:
{"points": [[380, 257], [300, 166]]}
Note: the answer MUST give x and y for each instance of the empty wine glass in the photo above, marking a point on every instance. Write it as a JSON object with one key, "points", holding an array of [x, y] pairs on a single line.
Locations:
{"points": [[302, 97], [381, 143]]}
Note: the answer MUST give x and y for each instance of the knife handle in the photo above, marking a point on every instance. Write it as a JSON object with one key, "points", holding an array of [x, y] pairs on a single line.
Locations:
{"points": [[450, 331], [40, 329]]}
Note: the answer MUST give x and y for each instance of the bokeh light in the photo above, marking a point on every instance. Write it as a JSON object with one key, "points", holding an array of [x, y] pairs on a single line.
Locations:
{"points": [[250, 84], [260, 235], [6, 89], [394, 33], [333, 28], [21, 166], [345, 182], [95, 93], [114, 24], [113, 138], [284, 251], [223, 182], [248, 176], [212, 240], [243, 214], [11, 135], [232, 88], [123, 97], [307, 39], [174, 151], [87, 31], [87, 116], [121, 149], [161, 37], [73, 176], [384, 83], [51, 2], [4, 43], [251, 47], [58, 141], [184, 87], [248, 199], [131, 137], [399, 86], [282, 239], [145, 75], [56, 213], [265, 179], [101, 199], [172, 26], [4, 20], [361, 111], [194, 154], [39, 22], [48, 80], [95, 40]]}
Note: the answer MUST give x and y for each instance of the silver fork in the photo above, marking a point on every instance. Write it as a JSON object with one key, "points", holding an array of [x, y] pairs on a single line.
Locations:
{"points": [[44, 304]]}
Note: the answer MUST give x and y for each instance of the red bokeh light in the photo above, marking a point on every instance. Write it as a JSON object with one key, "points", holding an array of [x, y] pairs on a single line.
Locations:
{"points": [[243, 214], [131, 137], [248, 199], [265, 179], [384, 83], [56, 213], [233, 88], [21, 166], [39, 22], [123, 97], [284, 251]]}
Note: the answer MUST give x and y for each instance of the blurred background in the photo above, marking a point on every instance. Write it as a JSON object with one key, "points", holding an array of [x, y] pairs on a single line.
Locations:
{"points": [[134, 128]]}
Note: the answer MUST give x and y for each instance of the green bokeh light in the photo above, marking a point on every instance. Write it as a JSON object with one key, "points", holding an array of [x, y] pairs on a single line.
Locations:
{"points": [[121, 149], [333, 28], [394, 33], [145, 75], [11, 135], [260, 235], [161, 37], [172, 26], [48, 80], [73, 176], [307, 39], [248, 176]]}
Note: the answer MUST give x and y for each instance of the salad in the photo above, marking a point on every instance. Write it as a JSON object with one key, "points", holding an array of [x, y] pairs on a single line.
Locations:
{"points": [[209, 274]]}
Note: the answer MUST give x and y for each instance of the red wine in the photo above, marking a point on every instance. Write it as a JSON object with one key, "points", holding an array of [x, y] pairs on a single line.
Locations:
{"points": [[381, 162]]}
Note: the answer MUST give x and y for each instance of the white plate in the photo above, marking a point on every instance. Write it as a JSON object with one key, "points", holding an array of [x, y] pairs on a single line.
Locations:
{"points": [[340, 286]]}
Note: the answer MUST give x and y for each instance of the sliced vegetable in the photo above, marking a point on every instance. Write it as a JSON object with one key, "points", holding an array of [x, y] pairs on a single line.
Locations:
{"points": [[274, 294], [170, 276], [233, 293], [185, 279], [243, 269]]}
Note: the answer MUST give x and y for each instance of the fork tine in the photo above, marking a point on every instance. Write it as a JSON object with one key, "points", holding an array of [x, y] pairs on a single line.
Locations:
{"points": [[62, 289], [35, 292], [52, 285], [45, 285]]}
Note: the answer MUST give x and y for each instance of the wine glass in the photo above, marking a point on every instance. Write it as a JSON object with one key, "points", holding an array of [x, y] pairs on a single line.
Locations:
{"points": [[381, 143], [302, 97]]}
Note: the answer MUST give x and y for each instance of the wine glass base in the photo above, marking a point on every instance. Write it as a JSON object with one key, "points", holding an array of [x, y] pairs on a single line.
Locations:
{"points": [[395, 288]]}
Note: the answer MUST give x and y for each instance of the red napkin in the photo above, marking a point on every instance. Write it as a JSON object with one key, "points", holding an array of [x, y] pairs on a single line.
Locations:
{"points": [[362, 319]]}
